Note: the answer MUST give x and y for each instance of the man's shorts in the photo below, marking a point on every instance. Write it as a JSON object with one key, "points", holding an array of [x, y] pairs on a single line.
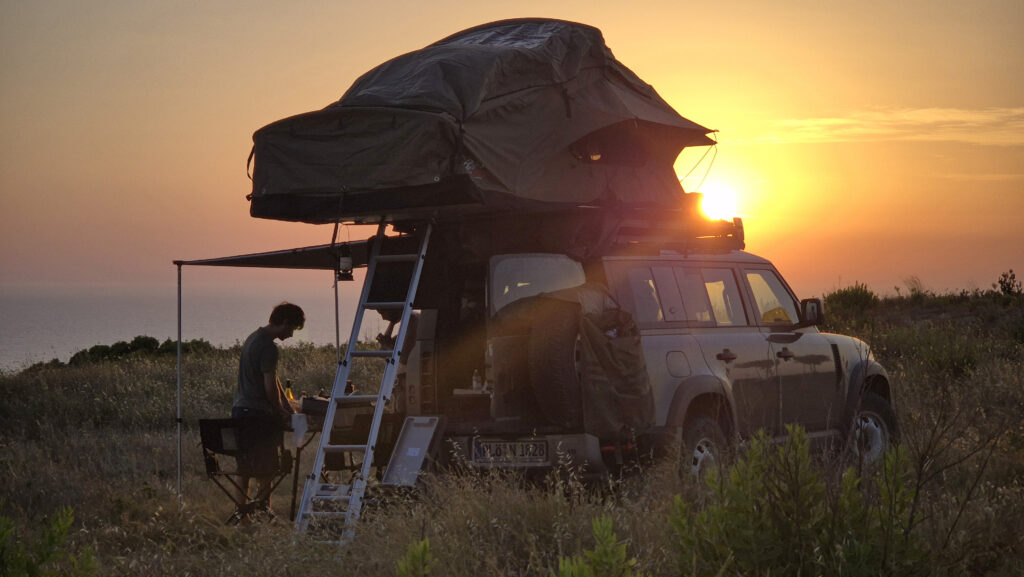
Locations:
{"points": [[261, 440]]}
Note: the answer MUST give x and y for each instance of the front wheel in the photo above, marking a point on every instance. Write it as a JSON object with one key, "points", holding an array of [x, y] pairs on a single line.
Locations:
{"points": [[874, 429], [704, 446]]}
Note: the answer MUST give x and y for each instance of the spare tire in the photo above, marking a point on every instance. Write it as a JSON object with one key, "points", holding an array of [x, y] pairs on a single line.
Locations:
{"points": [[555, 358]]}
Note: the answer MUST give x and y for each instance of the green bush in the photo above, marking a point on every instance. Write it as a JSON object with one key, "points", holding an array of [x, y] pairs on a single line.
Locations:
{"points": [[145, 344], [851, 301], [608, 558], [48, 554], [140, 345], [1008, 284], [417, 561], [774, 514]]}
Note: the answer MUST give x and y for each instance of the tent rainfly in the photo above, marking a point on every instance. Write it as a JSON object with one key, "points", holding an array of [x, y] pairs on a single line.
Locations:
{"points": [[518, 114]]}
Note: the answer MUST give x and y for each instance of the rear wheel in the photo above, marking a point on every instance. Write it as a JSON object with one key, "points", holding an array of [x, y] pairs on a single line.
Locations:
{"points": [[704, 446], [874, 430]]}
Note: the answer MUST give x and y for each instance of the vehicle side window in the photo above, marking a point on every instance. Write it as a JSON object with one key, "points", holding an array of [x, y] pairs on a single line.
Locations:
{"points": [[671, 304], [724, 296], [694, 295], [774, 303], [646, 302]]}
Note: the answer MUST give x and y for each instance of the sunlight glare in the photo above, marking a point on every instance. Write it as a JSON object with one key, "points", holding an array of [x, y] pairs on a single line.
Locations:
{"points": [[719, 202]]}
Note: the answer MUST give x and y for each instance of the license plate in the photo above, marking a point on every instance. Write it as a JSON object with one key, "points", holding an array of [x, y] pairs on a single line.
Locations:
{"points": [[486, 452]]}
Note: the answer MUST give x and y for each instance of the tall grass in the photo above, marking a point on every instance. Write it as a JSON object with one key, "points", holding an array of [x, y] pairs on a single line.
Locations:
{"points": [[99, 437]]}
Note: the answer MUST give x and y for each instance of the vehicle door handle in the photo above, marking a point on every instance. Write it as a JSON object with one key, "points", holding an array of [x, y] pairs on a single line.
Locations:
{"points": [[726, 355], [785, 354]]}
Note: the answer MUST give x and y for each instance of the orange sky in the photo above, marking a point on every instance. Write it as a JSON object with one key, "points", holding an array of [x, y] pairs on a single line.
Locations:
{"points": [[866, 142]]}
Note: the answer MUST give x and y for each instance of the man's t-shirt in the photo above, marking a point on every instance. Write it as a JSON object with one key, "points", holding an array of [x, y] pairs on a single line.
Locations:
{"points": [[259, 355]]}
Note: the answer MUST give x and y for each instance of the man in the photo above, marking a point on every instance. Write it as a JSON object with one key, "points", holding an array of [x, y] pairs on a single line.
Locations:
{"points": [[260, 399]]}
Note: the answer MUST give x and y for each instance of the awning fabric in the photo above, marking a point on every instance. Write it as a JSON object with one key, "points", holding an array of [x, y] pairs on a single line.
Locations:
{"points": [[321, 257], [512, 115]]}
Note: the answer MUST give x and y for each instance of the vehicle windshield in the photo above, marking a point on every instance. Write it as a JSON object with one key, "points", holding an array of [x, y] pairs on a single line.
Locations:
{"points": [[517, 276]]}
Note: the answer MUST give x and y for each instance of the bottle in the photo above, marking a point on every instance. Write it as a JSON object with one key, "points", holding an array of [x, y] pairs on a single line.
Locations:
{"points": [[477, 382]]}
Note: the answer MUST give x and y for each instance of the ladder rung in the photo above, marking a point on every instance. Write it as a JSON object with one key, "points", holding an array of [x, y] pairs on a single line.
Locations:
{"points": [[373, 353], [356, 400], [344, 448], [397, 257], [326, 489], [385, 305], [330, 498], [333, 495], [328, 492], [327, 514]]}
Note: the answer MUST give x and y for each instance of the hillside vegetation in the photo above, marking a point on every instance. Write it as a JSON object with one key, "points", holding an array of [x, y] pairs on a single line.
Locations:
{"points": [[88, 462]]}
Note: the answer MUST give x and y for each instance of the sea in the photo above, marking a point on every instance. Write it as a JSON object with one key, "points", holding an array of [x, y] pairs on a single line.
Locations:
{"points": [[38, 325]]}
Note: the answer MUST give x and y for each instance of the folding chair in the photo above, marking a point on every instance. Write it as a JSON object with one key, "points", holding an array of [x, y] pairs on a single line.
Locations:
{"points": [[257, 446]]}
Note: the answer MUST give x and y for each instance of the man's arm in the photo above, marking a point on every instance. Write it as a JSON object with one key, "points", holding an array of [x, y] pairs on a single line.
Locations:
{"points": [[272, 387]]}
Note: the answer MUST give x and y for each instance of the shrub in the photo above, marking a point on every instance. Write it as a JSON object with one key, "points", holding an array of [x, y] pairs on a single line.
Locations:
{"points": [[142, 345], [417, 561], [119, 349], [48, 554], [608, 558], [1008, 284], [168, 347], [773, 514], [850, 301], [145, 344]]}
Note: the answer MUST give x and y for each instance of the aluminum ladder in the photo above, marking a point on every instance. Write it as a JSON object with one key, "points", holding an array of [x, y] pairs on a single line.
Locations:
{"points": [[323, 501]]}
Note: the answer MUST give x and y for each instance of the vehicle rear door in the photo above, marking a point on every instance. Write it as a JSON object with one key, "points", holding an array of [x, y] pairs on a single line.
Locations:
{"points": [[642, 288], [689, 312]]}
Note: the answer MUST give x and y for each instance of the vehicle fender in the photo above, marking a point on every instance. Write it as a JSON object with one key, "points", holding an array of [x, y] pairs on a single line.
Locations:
{"points": [[863, 372], [694, 387]]}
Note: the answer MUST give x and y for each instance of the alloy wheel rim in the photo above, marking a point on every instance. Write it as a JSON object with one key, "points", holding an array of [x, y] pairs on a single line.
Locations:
{"points": [[702, 456], [870, 437]]}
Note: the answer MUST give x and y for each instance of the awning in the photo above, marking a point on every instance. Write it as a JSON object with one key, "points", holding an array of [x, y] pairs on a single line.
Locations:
{"points": [[320, 257]]}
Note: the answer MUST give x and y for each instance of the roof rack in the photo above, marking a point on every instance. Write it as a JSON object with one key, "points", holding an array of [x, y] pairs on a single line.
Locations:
{"points": [[684, 228], [680, 231]]}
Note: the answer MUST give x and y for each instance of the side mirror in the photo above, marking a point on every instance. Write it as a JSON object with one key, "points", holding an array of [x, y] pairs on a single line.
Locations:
{"points": [[812, 312]]}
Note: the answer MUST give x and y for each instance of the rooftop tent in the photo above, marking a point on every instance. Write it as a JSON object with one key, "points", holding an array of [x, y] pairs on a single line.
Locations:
{"points": [[516, 114]]}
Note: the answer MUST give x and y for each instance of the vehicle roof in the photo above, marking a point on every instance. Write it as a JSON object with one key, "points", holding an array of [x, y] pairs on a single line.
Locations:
{"points": [[734, 256]]}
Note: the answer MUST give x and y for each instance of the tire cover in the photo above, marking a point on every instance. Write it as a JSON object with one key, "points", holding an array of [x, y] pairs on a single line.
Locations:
{"points": [[614, 391], [554, 356]]}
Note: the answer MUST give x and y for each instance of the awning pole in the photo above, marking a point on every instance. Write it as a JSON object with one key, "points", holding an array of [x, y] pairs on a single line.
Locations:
{"points": [[337, 323], [337, 318], [180, 501]]}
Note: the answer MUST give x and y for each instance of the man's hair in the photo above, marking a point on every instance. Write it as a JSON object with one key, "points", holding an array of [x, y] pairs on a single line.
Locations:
{"points": [[287, 312]]}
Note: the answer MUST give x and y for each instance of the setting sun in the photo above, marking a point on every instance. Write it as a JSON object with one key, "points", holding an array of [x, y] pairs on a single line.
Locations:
{"points": [[719, 202]]}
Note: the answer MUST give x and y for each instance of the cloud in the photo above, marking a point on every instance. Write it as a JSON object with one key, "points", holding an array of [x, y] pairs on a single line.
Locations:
{"points": [[992, 126]]}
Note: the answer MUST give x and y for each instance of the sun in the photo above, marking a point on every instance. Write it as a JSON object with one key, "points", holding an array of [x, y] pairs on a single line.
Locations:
{"points": [[719, 202]]}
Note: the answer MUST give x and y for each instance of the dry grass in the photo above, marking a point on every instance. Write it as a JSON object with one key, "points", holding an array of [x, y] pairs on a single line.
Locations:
{"points": [[101, 439]]}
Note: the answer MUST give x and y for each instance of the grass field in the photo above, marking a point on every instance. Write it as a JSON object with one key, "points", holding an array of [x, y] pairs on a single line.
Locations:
{"points": [[99, 437]]}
